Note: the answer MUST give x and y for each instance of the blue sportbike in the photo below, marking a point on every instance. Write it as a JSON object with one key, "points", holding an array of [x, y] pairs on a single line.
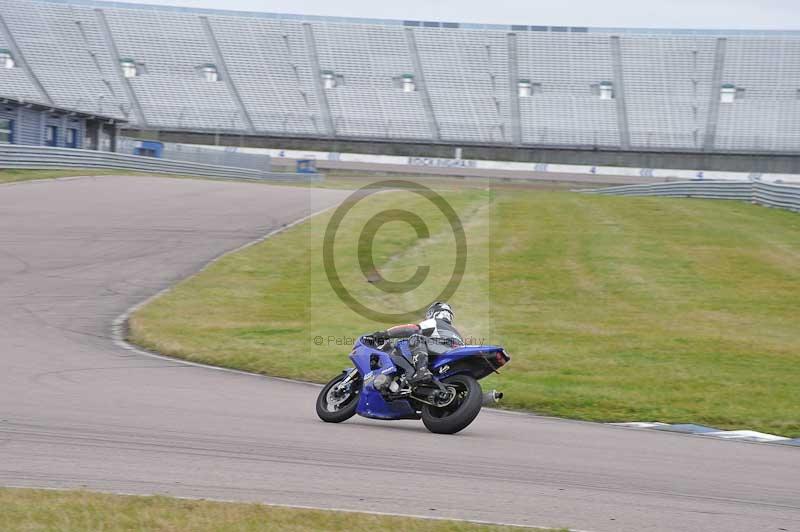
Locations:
{"points": [[377, 386]]}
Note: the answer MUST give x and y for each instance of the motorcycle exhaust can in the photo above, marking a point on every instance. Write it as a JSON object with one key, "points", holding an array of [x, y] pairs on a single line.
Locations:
{"points": [[490, 398]]}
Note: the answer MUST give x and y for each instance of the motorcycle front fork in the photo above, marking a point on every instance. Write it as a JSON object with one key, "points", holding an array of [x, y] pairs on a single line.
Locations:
{"points": [[347, 380]]}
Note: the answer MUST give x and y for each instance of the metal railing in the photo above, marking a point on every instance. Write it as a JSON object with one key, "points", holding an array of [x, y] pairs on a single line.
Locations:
{"points": [[39, 157], [770, 194], [202, 154]]}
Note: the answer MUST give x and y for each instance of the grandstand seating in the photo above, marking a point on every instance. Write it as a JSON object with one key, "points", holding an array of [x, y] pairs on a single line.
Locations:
{"points": [[468, 82], [566, 112], [366, 103], [666, 85], [668, 89], [268, 60], [171, 91], [14, 82], [62, 47], [767, 117]]}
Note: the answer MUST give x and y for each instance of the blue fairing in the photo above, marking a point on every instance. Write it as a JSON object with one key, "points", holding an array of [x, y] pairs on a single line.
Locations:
{"points": [[461, 353], [372, 403]]}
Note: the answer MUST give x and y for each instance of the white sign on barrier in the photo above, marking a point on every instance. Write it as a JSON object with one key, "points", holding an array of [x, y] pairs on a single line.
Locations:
{"points": [[442, 163]]}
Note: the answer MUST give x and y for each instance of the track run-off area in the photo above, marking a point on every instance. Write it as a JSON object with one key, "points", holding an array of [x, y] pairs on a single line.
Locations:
{"points": [[79, 411]]}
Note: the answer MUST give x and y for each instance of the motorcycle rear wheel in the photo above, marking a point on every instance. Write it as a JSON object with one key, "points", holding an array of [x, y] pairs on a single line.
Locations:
{"points": [[337, 409], [461, 412]]}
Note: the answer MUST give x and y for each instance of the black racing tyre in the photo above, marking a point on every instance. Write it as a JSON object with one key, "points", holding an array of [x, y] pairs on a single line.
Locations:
{"points": [[461, 412], [332, 409]]}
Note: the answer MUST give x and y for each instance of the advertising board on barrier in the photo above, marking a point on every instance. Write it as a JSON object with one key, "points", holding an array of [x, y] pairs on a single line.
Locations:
{"points": [[442, 163]]}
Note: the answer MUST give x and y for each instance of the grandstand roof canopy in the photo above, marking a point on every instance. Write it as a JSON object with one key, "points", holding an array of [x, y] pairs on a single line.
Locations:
{"points": [[265, 74], [62, 110], [521, 26]]}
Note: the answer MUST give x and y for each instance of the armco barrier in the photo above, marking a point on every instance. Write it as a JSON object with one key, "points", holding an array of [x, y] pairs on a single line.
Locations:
{"points": [[769, 194], [777, 195], [38, 157]]}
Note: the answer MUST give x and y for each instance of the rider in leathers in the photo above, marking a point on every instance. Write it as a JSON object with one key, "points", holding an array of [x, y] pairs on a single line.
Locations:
{"points": [[435, 335]]}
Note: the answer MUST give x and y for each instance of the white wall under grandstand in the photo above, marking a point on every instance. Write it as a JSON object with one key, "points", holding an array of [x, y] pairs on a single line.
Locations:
{"points": [[657, 174], [306, 76]]}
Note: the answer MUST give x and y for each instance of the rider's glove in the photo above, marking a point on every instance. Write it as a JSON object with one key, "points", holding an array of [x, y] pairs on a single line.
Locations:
{"points": [[380, 336]]}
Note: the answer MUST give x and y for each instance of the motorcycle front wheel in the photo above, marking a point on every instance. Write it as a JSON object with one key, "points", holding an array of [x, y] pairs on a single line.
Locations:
{"points": [[334, 406], [459, 413]]}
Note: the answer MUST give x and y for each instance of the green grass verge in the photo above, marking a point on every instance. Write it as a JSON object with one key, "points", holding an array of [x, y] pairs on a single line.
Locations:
{"points": [[336, 179], [614, 309], [11, 176], [27, 510]]}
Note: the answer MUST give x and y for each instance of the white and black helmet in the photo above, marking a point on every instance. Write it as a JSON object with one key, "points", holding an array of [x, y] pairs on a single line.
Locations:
{"points": [[440, 310]]}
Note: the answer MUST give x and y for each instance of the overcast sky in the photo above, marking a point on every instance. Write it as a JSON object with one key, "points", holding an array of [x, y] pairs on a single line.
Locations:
{"points": [[726, 14]]}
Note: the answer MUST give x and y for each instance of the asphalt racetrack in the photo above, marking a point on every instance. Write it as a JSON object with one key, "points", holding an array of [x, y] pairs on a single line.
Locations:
{"points": [[77, 411]]}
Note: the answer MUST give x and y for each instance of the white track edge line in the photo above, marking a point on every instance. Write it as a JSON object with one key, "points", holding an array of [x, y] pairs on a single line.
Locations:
{"points": [[118, 329], [119, 325], [118, 338]]}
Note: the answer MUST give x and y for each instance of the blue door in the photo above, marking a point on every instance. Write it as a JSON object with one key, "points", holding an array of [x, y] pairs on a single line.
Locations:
{"points": [[6, 131], [51, 136], [72, 138]]}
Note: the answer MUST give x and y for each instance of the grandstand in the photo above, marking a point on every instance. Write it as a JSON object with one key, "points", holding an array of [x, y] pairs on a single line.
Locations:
{"points": [[180, 69]]}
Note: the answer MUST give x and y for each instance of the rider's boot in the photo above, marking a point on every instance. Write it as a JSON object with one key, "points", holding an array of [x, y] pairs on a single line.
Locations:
{"points": [[421, 372]]}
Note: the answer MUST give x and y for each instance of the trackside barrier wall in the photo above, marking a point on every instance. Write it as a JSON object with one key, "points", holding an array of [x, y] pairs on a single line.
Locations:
{"points": [[420, 164], [201, 154], [39, 157], [778, 195]]}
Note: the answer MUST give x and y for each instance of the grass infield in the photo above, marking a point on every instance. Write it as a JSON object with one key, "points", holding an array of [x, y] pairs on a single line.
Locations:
{"points": [[12, 176], [613, 309], [23, 510]]}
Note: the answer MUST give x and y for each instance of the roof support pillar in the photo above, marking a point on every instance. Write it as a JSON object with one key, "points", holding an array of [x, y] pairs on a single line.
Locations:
{"points": [[422, 88], [619, 94], [513, 91], [19, 57], [136, 107], [316, 71], [716, 83], [226, 76]]}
